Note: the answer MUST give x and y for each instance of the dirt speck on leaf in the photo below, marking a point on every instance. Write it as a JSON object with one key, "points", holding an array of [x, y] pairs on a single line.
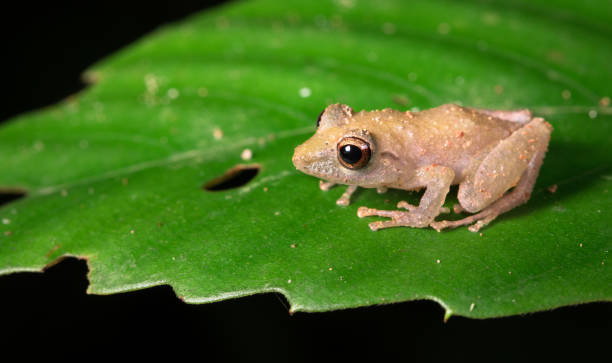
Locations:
{"points": [[217, 133], [246, 154]]}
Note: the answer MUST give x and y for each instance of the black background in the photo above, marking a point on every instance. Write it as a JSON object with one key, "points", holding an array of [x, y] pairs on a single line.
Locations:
{"points": [[46, 47]]}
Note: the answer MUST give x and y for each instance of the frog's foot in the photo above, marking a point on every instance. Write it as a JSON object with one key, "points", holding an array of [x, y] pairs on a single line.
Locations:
{"points": [[325, 185], [345, 199], [398, 218], [457, 208], [480, 220], [411, 207]]}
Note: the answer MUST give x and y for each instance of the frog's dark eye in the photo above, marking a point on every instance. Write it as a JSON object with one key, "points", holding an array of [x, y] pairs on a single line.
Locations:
{"points": [[319, 118], [353, 152]]}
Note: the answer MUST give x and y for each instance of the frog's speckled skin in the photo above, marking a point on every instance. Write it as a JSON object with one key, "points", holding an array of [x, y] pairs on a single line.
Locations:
{"points": [[486, 152]]}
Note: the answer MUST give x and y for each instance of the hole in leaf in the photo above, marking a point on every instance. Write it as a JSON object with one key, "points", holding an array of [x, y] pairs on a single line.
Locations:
{"points": [[235, 177], [9, 195]]}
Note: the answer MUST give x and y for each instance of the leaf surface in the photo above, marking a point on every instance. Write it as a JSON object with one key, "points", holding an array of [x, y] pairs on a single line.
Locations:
{"points": [[115, 174]]}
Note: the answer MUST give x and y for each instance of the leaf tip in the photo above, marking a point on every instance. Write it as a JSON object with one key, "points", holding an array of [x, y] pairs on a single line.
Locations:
{"points": [[91, 77], [447, 314]]}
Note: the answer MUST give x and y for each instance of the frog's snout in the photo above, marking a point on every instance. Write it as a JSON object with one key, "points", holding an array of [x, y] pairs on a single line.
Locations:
{"points": [[304, 159], [311, 160], [299, 161]]}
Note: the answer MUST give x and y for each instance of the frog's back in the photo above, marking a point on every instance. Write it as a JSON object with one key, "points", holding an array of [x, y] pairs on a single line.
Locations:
{"points": [[456, 135], [451, 116], [461, 126]]}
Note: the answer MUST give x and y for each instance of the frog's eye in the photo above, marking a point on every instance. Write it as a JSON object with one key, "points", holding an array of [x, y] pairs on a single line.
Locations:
{"points": [[353, 152]]}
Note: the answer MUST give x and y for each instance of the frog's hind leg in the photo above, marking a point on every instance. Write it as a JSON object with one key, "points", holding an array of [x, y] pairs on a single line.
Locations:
{"points": [[522, 116], [520, 195], [516, 159]]}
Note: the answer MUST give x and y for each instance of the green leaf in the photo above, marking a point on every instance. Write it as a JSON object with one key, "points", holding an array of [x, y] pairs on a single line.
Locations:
{"points": [[115, 174]]}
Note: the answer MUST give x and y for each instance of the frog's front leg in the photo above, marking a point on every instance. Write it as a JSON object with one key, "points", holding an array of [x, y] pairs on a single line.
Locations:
{"points": [[325, 185], [345, 199], [437, 180]]}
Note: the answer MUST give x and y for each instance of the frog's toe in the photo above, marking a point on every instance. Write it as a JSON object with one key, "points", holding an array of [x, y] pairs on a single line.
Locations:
{"points": [[405, 205], [345, 199], [343, 202], [440, 225], [457, 208], [481, 223], [365, 212], [398, 218], [444, 210], [375, 226], [325, 185], [479, 220], [476, 226]]}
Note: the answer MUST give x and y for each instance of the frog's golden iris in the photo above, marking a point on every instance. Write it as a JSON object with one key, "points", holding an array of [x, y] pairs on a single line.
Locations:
{"points": [[353, 152]]}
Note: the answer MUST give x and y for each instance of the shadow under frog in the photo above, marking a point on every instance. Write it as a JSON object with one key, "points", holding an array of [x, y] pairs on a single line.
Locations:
{"points": [[570, 166]]}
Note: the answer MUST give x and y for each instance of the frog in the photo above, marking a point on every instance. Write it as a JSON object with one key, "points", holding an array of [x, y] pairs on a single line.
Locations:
{"points": [[494, 156]]}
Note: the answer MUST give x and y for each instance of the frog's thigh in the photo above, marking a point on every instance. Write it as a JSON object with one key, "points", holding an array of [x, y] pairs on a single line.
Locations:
{"points": [[503, 167]]}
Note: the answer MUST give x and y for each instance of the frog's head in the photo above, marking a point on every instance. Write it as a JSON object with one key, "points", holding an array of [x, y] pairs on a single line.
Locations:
{"points": [[344, 151]]}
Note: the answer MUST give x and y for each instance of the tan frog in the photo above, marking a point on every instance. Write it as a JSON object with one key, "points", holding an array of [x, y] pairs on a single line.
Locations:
{"points": [[486, 152]]}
